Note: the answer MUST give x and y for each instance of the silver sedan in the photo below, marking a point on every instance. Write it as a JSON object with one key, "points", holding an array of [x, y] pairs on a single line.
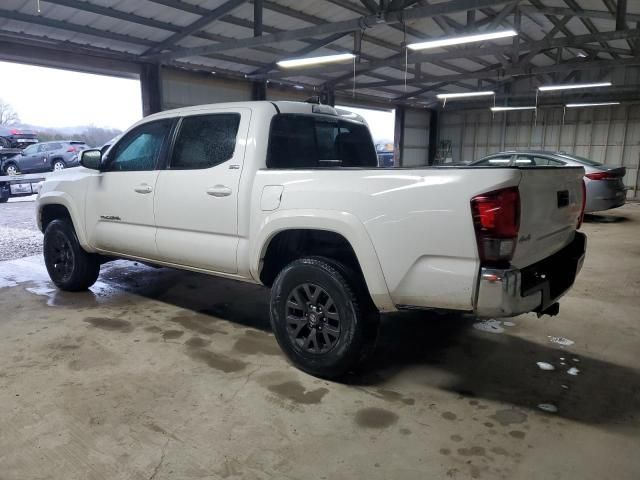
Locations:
{"points": [[604, 184]]}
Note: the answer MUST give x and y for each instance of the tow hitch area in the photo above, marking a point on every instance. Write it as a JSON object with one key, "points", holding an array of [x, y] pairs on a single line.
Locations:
{"points": [[552, 310]]}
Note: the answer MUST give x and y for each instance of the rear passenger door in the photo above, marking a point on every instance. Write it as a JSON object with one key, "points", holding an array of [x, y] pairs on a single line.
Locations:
{"points": [[196, 203]]}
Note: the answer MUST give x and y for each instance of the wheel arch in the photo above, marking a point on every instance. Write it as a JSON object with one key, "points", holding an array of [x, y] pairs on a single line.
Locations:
{"points": [[54, 206], [287, 236]]}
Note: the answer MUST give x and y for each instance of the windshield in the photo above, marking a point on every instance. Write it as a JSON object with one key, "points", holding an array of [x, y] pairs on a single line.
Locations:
{"points": [[586, 161]]}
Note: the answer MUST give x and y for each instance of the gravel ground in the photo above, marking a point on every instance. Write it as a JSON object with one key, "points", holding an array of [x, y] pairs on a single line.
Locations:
{"points": [[19, 236]]}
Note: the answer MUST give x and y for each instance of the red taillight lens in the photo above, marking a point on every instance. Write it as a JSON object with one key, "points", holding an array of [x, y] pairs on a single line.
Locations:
{"points": [[600, 176], [584, 204], [72, 149], [496, 218], [15, 131]]}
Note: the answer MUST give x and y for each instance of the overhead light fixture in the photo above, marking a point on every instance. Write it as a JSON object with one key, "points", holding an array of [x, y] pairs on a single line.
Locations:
{"points": [[597, 104], [446, 42], [449, 96], [508, 109], [303, 62], [549, 88]]}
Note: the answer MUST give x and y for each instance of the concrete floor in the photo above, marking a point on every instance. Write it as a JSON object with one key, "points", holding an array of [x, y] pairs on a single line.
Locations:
{"points": [[159, 374]]}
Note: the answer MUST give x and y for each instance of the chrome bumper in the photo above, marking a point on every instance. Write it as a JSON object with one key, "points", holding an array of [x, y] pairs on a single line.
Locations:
{"points": [[510, 292]]}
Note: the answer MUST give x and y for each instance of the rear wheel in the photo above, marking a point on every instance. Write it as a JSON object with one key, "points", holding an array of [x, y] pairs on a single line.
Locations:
{"points": [[4, 199], [69, 266], [11, 169], [322, 317], [58, 165]]}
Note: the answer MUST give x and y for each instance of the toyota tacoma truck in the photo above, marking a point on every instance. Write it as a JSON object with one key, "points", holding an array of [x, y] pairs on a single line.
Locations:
{"points": [[288, 195]]}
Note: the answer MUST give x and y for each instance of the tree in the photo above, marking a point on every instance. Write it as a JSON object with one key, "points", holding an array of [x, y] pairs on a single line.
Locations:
{"points": [[8, 115]]}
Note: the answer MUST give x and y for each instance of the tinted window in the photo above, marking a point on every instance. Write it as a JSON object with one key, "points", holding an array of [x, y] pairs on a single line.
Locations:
{"points": [[140, 148], [205, 141], [584, 160], [546, 161], [499, 161], [524, 161], [31, 149], [54, 146], [308, 141]]}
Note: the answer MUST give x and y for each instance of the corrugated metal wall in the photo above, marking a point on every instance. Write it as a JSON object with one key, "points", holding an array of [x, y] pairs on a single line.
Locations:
{"points": [[610, 135], [415, 146], [182, 89]]}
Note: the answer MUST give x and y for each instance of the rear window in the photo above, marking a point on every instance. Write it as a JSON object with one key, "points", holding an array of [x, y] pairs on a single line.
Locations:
{"points": [[586, 161], [312, 141]]}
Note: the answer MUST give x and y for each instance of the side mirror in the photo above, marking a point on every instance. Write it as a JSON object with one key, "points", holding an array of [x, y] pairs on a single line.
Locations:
{"points": [[91, 158]]}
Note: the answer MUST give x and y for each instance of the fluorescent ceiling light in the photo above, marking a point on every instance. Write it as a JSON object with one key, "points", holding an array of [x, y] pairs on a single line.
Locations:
{"points": [[548, 88], [302, 62], [506, 109], [446, 42], [598, 104], [448, 96]]}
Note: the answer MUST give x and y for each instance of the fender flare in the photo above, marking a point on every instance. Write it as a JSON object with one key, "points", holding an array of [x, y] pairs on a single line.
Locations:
{"points": [[342, 223], [65, 200]]}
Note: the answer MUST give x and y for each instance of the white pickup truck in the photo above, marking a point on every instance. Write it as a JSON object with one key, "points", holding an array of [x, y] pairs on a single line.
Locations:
{"points": [[289, 195]]}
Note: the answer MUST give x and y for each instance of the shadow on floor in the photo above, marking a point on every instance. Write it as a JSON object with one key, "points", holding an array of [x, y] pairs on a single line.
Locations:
{"points": [[499, 367], [606, 218]]}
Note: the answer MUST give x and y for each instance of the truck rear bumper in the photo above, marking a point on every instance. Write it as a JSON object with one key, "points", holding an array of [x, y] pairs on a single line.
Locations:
{"points": [[510, 292]]}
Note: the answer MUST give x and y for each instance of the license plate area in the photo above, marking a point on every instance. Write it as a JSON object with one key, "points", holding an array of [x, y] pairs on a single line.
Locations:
{"points": [[21, 188]]}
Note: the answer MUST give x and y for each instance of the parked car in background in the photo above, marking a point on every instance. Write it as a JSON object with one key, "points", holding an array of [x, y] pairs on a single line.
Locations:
{"points": [[44, 157], [604, 184], [107, 146], [385, 154], [12, 137]]}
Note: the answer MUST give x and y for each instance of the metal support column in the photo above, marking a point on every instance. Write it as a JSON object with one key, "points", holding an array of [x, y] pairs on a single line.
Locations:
{"points": [[433, 136], [398, 136], [258, 87], [151, 88]]}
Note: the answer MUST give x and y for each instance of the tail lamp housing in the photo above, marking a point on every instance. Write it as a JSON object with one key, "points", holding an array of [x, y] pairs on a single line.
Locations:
{"points": [[584, 204], [600, 176], [496, 219]]}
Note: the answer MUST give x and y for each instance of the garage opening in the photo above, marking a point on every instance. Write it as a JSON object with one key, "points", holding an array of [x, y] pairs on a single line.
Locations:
{"points": [[48, 104], [381, 124]]}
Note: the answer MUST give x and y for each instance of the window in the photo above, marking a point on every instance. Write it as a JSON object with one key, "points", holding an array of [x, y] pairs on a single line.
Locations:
{"points": [[312, 141], [498, 161], [31, 149], [205, 141], [140, 148], [525, 161], [547, 162], [53, 146]]}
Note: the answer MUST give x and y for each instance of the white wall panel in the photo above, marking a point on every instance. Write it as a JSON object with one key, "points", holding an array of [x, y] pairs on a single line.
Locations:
{"points": [[610, 135]]}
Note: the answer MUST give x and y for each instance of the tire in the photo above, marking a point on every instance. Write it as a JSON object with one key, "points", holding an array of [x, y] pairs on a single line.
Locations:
{"points": [[69, 266], [4, 200], [11, 169], [336, 324], [4, 143], [57, 165]]}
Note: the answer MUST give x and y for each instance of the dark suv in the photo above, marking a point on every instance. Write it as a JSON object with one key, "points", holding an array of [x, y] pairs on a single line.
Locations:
{"points": [[11, 137], [45, 157]]}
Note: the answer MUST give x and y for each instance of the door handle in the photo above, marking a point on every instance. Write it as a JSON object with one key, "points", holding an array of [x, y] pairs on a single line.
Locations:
{"points": [[219, 191], [144, 188]]}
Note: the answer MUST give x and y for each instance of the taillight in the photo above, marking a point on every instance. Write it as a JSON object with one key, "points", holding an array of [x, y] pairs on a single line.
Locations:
{"points": [[72, 149], [15, 131], [496, 218], [584, 204], [600, 176]]}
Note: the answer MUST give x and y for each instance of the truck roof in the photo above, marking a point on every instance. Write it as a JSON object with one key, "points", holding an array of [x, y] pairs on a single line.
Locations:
{"points": [[279, 106]]}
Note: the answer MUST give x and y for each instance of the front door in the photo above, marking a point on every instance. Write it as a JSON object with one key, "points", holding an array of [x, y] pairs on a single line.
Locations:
{"points": [[196, 203], [32, 159], [119, 212]]}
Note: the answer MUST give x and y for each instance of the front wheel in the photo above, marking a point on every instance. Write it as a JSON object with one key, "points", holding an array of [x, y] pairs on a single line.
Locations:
{"points": [[11, 169], [69, 266], [321, 317], [58, 165]]}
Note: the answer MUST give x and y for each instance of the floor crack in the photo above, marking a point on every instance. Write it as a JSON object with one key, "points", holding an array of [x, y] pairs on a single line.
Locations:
{"points": [[162, 455], [244, 384]]}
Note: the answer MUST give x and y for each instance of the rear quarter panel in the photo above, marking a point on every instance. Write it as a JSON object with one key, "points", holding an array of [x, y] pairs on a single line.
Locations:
{"points": [[418, 223]]}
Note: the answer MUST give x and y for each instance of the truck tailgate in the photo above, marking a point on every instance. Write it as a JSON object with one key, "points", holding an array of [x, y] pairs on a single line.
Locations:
{"points": [[550, 209]]}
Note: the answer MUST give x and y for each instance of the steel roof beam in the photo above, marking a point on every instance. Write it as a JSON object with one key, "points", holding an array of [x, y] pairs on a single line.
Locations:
{"points": [[543, 10], [199, 24], [371, 21]]}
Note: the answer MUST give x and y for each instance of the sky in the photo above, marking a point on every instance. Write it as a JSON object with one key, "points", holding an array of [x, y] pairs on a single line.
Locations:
{"points": [[53, 98], [381, 122]]}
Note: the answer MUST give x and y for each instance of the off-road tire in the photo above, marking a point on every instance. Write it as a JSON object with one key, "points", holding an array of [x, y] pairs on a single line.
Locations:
{"points": [[70, 267], [357, 319]]}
